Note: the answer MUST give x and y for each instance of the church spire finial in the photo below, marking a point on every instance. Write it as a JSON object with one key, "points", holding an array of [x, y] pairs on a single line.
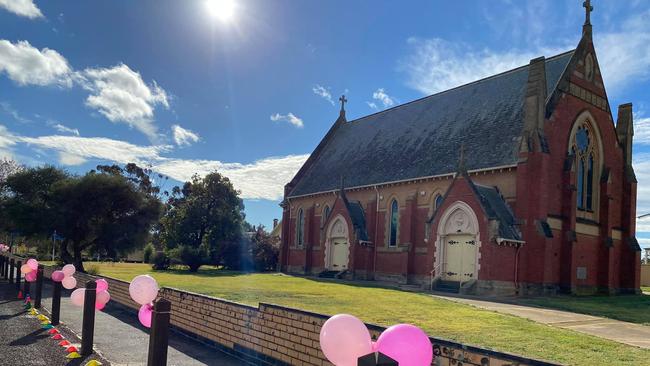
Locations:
{"points": [[343, 100], [586, 28]]}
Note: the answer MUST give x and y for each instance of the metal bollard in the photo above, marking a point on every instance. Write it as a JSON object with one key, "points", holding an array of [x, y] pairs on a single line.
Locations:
{"points": [[88, 326], [11, 270], [39, 287], [56, 302], [159, 335]]}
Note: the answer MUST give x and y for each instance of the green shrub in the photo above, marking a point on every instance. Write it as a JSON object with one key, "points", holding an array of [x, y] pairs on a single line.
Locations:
{"points": [[160, 261], [192, 257], [92, 269], [148, 252]]}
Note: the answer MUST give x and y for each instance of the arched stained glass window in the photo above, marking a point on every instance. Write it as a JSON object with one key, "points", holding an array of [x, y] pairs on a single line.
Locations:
{"points": [[326, 212], [300, 228], [585, 156], [437, 202], [394, 222]]}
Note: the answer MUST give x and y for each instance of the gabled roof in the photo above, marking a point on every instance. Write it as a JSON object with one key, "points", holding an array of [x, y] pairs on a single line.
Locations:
{"points": [[357, 215], [496, 208], [422, 138]]}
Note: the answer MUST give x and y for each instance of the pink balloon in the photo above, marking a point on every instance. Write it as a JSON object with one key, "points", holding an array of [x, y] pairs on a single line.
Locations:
{"points": [[102, 285], [77, 297], [143, 289], [103, 297], [25, 269], [32, 263], [69, 283], [30, 277], [99, 305], [406, 344], [144, 315], [58, 276], [343, 339], [68, 270]]}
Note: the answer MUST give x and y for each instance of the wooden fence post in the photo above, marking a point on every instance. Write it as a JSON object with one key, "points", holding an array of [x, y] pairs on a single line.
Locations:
{"points": [[2, 265], [11, 270], [56, 302], [159, 335], [88, 326], [39, 287]]}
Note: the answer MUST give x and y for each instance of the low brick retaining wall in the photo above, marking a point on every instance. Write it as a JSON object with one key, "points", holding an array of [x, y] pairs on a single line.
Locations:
{"points": [[276, 335]]}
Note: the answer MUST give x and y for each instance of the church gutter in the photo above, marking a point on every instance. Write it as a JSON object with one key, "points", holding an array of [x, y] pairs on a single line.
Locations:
{"points": [[482, 170]]}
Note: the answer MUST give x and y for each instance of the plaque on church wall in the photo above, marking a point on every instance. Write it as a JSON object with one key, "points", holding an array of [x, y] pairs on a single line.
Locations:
{"points": [[581, 273]]}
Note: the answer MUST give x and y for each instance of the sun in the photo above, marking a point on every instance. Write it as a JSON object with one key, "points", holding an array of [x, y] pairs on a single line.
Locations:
{"points": [[221, 9]]}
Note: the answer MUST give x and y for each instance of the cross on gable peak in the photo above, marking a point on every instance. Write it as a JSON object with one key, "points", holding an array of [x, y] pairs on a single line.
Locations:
{"points": [[588, 9], [343, 100]]}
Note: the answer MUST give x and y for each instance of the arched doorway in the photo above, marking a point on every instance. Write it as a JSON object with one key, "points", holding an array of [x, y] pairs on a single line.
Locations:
{"points": [[337, 245], [457, 244]]}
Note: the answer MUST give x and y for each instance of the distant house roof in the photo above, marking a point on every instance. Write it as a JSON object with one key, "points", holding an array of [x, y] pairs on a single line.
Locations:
{"points": [[422, 138]]}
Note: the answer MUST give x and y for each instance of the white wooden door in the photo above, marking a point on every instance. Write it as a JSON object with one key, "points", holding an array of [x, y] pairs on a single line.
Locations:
{"points": [[340, 254], [460, 258]]}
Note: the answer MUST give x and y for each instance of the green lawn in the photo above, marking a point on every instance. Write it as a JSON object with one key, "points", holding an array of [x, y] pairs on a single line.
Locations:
{"points": [[383, 306], [629, 308]]}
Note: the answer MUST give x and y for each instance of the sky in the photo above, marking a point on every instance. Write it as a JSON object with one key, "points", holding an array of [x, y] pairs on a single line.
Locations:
{"points": [[249, 87]]}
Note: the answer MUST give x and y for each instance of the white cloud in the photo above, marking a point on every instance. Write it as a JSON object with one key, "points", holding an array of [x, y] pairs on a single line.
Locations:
{"points": [[6, 106], [435, 64], [641, 165], [25, 8], [184, 137], [70, 159], [323, 93], [64, 129], [641, 130], [7, 141], [262, 179], [121, 95], [27, 65], [381, 96], [624, 55], [96, 148], [290, 117]]}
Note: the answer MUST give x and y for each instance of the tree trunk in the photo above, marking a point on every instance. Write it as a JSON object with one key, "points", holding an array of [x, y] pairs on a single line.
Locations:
{"points": [[78, 260], [65, 255]]}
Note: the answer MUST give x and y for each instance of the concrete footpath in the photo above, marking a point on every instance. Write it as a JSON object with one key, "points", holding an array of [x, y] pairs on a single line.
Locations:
{"points": [[615, 330], [122, 340], [24, 342]]}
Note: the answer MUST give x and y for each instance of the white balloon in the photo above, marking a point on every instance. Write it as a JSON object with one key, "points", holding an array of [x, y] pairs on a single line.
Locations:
{"points": [[69, 282], [143, 289]]}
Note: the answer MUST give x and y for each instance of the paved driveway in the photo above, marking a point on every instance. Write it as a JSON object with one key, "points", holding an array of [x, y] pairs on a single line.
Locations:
{"points": [[615, 330]]}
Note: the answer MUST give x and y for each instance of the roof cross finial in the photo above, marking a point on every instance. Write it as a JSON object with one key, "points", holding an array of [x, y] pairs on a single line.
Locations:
{"points": [[343, 100], [588, 10]]}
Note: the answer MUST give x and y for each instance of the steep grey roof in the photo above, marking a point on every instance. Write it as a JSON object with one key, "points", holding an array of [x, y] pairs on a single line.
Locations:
{"points": [[358, 217], [422, 138], [496, 208]]}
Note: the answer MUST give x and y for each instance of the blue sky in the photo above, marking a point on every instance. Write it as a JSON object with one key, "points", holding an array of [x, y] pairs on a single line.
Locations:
{"points": [[174, 85]]}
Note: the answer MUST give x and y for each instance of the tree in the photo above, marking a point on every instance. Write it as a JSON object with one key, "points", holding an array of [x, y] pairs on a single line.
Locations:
{"points": [[104, 213], [9, 167], [27, 200], [201, 217]]}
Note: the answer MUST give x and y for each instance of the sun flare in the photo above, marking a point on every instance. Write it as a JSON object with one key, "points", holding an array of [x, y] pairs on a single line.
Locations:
{"points": [[221, 9]]}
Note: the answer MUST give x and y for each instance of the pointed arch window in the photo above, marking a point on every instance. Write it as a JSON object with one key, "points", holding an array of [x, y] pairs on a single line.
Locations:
{"points": [[394, 223], [437, 202], [326, 213], [585, 153], [300, 228]]}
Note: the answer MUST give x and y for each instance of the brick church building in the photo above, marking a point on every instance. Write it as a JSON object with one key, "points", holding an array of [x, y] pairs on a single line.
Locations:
{"points": [[519, 183]]}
